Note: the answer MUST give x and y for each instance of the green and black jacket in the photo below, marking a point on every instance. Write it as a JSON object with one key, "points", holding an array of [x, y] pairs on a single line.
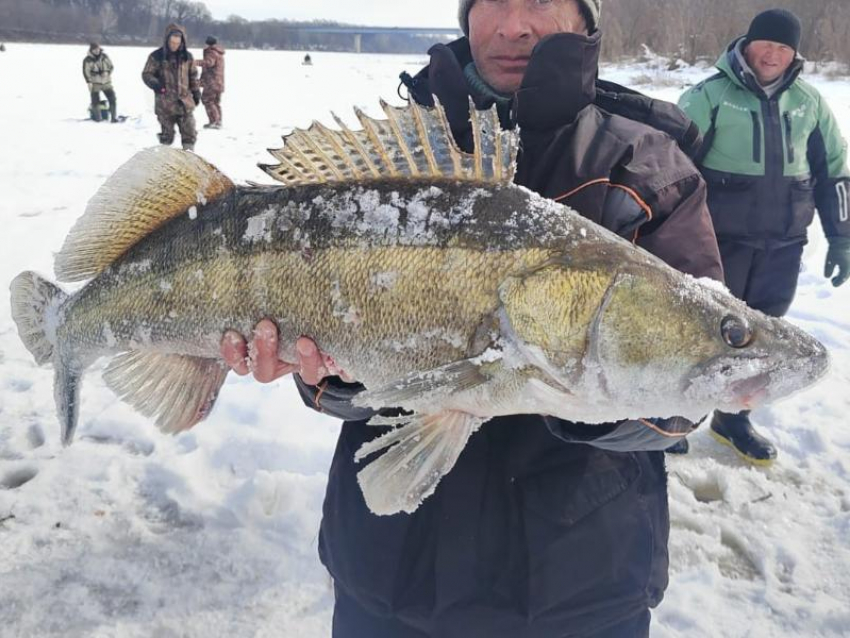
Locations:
{"points": [[769, 161], [97, 70]]}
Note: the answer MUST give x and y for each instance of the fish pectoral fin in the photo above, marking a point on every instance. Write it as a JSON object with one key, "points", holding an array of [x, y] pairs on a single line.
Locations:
{"points": [[427, 386], [176, 390], [417, 456]]}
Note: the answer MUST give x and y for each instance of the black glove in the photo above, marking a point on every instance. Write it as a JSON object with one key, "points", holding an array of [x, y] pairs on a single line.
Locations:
{"points": [[838, 255], [196, 95], [156, 88]]}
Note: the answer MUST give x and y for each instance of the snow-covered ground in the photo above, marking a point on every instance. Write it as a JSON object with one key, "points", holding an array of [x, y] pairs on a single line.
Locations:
{"points": [[213, 533]]}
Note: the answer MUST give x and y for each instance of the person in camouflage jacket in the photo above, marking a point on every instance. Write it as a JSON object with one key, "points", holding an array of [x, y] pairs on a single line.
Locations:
{"points": [[772, 155], [171, 74], [97, 71], [212, 81]]}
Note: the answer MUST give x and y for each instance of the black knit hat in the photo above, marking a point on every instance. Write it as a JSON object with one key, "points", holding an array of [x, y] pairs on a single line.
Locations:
{"points": [[211, 40], [93, 46], [776, 25]]}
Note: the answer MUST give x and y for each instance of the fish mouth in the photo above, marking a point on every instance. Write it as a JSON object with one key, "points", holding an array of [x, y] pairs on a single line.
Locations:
{"points": [[751, 391], [741, 382], [746, 382]]}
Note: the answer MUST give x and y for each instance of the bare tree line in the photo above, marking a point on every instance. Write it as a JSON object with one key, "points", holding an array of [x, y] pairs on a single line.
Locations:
{"points": [[701, 29], [688, 29], [143, 22]]}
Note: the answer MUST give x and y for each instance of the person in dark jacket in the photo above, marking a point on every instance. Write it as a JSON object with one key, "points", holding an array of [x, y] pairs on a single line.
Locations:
{"points": [[171, 74], [212, 81], [97, 71], [772, 154], [544, 528]]}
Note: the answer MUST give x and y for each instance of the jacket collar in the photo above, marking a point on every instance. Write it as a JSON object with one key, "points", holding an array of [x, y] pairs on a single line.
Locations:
{"points": [[559, 82]]}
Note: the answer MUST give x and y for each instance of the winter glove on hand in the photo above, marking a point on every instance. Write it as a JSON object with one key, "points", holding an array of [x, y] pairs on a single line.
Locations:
{"points": [[838, 255], [196, 95]]}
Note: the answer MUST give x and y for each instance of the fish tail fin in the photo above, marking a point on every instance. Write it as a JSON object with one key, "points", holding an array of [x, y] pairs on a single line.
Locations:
{"points": [[36, 305], [35, 302], [417, 456]]}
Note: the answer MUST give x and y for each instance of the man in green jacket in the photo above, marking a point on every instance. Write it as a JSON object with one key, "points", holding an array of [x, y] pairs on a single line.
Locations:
{"points": [[97, 70], [772, 155]]}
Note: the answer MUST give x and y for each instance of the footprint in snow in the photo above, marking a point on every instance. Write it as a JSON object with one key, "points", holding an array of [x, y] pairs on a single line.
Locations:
{"points": [[16, 478]]}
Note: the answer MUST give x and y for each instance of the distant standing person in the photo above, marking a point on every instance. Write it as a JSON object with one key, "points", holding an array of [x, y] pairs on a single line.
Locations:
{"points": [[212, 81], [2, 47], [307, 60], [97, 70], [772, 154], [171, 74]]}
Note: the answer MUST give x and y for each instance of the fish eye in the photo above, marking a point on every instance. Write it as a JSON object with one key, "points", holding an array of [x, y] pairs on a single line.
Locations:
{"points": [[736, 331]]}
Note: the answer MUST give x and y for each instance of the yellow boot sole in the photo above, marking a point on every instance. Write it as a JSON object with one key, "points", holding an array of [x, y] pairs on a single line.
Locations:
{"points": [[749, 459]]}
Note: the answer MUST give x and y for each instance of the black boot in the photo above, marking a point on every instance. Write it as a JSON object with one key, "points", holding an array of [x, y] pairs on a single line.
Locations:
{"points": [[679, 447], [736, 431]]}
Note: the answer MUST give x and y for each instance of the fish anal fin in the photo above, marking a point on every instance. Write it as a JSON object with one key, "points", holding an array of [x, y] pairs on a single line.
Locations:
{"points": [[153, 187], [418, 455], [177, 391]]}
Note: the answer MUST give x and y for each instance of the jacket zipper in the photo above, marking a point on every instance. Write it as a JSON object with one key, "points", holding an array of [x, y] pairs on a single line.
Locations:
{"points": [[774, 148], [789, 147], [756, 137]]}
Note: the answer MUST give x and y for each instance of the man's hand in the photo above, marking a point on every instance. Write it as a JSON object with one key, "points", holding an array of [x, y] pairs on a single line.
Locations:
{"points": [[196, 97], [838, 256], [91, 88], [260, 357]]}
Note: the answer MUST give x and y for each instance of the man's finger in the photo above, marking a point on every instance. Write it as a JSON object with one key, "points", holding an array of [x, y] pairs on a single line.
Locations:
{"points": [[310, 361], [263, 352], [234, 351]]}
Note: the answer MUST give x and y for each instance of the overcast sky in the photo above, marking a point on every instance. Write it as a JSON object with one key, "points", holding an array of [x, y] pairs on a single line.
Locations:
{"points": [[385, 13]]}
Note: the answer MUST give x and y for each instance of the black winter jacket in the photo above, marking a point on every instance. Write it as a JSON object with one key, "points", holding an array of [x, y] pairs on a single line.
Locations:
{"points": [[544, 528]]}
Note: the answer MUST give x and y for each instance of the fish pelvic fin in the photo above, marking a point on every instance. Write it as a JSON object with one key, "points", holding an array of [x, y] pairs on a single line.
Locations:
{"points": [[418, 455], [35, 310], [153, 187], [412, 142], [177, 391]]}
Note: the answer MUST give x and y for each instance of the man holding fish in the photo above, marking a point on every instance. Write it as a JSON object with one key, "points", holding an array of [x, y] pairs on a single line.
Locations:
{"points": [[544, 527]]}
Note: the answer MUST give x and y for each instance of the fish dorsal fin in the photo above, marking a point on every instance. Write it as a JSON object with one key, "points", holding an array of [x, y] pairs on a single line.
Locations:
{"points": [[153, 187], [413, 142]]}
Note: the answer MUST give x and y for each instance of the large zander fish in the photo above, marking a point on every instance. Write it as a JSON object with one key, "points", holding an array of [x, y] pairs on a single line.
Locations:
{"points": [[423, 271]]}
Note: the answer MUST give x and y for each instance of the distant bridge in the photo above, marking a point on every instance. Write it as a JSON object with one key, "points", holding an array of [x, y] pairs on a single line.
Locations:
{"points": [[359, 32]]}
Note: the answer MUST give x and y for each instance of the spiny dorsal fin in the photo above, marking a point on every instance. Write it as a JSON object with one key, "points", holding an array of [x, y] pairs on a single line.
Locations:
{"points": [[414, 141], [153, 187]]}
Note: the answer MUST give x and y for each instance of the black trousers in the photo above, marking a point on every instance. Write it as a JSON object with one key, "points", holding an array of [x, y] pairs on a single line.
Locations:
{"points": [[352, 621], [765, 278], [95, 104]]}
